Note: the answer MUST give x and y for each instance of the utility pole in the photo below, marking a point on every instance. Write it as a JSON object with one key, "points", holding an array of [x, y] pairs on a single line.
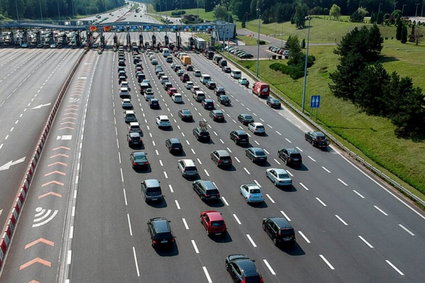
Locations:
{"points": [[379, 11], [258, 41], [41, 11], [402, 9], [416, 25], [305, 65], [17, 14]]}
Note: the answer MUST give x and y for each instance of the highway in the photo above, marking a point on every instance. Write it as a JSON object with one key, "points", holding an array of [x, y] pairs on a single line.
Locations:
{"points": [[85, 219]]}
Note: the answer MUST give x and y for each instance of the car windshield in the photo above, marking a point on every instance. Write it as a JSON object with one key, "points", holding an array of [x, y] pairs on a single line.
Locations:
{"points": [[190, 168], [217, 223], [255, 191]]}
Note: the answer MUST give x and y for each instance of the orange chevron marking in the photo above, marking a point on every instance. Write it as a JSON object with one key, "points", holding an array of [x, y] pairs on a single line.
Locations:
{"points": [[52, 182], [57, 163], [61, 147], [50, 194], [40, 240], [59, 154], [36, 260], [55, 172]]}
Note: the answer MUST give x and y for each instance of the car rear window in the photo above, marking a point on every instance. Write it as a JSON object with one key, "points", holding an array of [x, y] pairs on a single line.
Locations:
{"points": [[153, 191], [255, 191], [243, 136], [212, 192], [295, 155], [190, 168], [217, 223], [166, 235], [204, 134], [260, 127], [260, 153], [225, 158], [253, 279], [286, 232]]}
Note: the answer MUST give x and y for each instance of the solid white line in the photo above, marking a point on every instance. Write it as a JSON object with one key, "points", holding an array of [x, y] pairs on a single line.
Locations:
{"points": [[366, 242], [177, 204], [225, 201], [135, 262], [360, 195], [171, 188], [269, 267], [275, 160], [342, 182], [247, 171], [311, 158], [69, 257], [319, 200], [326, 169], [270, 198], [340, 219], [289, 141], [380, 210], [407, 230], [125, 196], [237, 219], [302, 185], [194, 246], [286, 216], [305, 238], [251, 240], [327, 262], [185, 224], [395, 268], [160, 163], [237, 159], [129, 224], [207, 274], [165, 174]]}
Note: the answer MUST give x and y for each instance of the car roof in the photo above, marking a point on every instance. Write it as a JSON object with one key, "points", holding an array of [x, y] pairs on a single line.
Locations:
{"points": [[163, 117], [222, 152], [207, 184], [245, 115], [318, 134], [187, 162], [256, 149], [134, 134], [129, 112], [151, 183], [126, 100], [214, 215], [247, 265], [282, 223], [134, 124], [240, 132], [216, 111], [257, 124], [279, 170], [208, 100]]}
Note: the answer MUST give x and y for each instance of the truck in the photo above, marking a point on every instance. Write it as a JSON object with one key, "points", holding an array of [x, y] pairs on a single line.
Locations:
{"points": [[200, 43], [186, 60], [261, 89]]}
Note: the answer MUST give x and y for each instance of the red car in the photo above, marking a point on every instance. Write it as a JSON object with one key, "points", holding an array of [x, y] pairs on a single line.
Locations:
{"points": [[171, 90], [213, 222]]}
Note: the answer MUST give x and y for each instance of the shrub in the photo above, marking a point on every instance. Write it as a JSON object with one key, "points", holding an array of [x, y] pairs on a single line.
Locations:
{"points": [[178, 13]]}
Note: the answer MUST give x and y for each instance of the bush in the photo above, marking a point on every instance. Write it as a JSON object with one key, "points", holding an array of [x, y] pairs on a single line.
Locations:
{"points": [[294, 71], [178, 13], [262, 42]]}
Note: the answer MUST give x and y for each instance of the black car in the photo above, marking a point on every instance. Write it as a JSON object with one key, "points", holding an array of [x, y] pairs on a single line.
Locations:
{"points": [[291, 156], [245, 119], [140, 77], [242, 269], [273, 102], [256, 154], [139, 159], [221, 158], [240, 137], [154, 103], [160, 232], [185, 115], [189, 68], [134, 139], [317, 139], [201, 134], [206, 190], [211, 84], [224, 100], [208, 104], [279, 230], [174, 145], [217, 115]]}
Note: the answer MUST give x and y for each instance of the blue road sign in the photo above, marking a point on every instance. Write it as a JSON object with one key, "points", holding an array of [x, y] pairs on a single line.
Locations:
{"points": [[315, 101]]}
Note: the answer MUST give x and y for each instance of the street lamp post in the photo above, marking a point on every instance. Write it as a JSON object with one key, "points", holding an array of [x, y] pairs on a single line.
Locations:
{"points": [[402, 9], [17, 14], [258, 43], [41, 11], [305, 65]]}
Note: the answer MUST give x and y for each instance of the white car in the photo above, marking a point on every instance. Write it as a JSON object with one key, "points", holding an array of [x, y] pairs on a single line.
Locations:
{"points": [[162, 121], [251, 193], [197, 73], [189, 85], [195, 88], [279, 177], [257, 128], [177, 97]]}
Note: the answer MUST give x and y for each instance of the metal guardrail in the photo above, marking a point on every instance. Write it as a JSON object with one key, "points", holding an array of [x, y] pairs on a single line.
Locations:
{"points": [[353, 155]]}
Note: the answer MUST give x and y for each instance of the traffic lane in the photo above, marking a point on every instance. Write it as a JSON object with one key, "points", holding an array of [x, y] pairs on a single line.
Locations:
{"points": [[42, 220], [101, 238], [16, 150], [16, 58]]}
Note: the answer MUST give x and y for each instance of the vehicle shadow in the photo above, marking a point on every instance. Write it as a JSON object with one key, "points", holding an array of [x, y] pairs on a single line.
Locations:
{"points": [[226, 238], [294, 250], [302, 167], [263, 164], [217, 203], [141, 146], [143, 170], [228, 168], [287, 188], [180, 154], [158, 204], [259, 204], [168, 129], [172, 251]]}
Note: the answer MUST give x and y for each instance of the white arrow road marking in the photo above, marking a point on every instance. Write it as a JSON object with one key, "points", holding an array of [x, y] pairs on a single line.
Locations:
{"points": [[11, 163], [40, 106]]}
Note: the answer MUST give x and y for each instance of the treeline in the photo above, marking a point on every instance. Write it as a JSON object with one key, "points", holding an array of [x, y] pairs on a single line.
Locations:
{"points": [[37, 9], [361, 79]]}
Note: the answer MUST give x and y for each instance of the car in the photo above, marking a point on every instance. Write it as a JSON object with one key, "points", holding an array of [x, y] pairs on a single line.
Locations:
{"points": [[185, 115], [206, 190], [211, 84], [188, 85], [195, 88], [213, 222], [273, 102], [121, 78], [148, 94], [279, 230], [220, 91], [160, 232], [158, 69], [208, 104], [189, 68], [256, 154], [226, 69], [167, 85], [184, 77], [244, 81], [245, 119], [197, 73], [151, 190], [126, 104], [180, 73], [147, 82], [217, 115], [129, 116], [221, 158], [242, 269], [291, 156], [134, 139], [160, 74], [199, 96], [169, 59], [177, 97], [135, 127], [162, 121], [171, 91], [201, 134], [154, 62], [164, 79], [279, 177], [177, 68], [257, 128], [187, 168], [240, 137], [154, 103], [174, 145], [224, 100], [317, 139], [251, 193], [139, 159], [140, 77]]}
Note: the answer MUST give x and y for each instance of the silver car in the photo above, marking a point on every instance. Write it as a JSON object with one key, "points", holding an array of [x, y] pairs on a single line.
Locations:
{"points": [[279, 177]]}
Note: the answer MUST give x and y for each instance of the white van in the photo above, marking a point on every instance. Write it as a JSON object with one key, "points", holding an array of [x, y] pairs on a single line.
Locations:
{"points": [[199, 96], [205, 78], [165, 52], [236, 74]]}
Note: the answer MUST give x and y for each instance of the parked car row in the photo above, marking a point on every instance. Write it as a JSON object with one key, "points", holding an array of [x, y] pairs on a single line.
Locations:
{"points": [[279, 50], [238, 52]]}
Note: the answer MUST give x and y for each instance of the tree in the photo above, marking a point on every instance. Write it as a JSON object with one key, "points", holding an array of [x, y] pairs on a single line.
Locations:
{"points": [[295, 53], [404, 34], [220, 12], [398, 31], [358, 15], [301, 10], [335, 11]]}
